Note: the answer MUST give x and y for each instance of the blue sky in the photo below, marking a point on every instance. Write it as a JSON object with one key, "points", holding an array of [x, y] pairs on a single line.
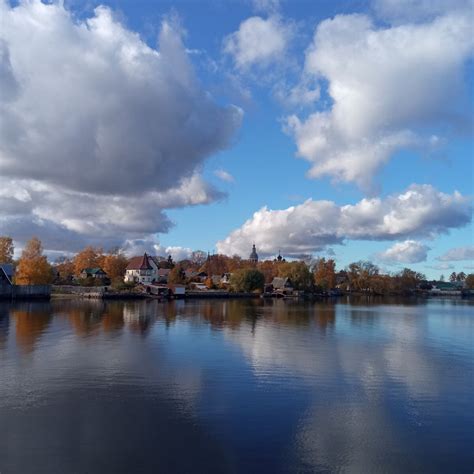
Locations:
{"points": [[365, 105]]}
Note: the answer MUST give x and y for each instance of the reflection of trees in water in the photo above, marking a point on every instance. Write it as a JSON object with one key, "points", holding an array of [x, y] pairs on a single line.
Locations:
{"points": [[217, 312], [230, 313], [85, 316], [90, 316], [112, 319], [324, 315], [139, 316], [4, 323], [288, 312], [233, 313], [367, 300], [31, 320]]}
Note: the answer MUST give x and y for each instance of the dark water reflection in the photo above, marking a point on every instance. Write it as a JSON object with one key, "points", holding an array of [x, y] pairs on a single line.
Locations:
{"points": [[237, 386]]}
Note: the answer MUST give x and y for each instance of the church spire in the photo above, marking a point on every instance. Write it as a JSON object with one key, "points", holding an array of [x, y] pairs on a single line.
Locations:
{"points": [[253, 256]]}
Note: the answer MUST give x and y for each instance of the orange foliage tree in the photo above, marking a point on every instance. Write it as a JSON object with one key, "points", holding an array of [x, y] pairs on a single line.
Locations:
{"points": [[65, 268], [90, 257], [114, 264], [33, 267], [324, 272], [6, 249], [269, 269]]}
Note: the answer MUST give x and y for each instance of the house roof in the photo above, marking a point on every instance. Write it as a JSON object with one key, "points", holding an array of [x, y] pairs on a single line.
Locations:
{"points": [[4, 275], [8, 268], [279, 282], [140, 263], [93, 271], [448, 285]]}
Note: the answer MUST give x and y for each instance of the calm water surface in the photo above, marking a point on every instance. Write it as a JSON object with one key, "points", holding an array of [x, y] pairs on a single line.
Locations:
{"points": [[237, 387]]}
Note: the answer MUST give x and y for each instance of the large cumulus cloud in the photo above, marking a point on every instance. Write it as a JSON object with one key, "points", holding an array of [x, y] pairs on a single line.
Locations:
{"points": [[421, 210], [99, 133], [394, 87], [408, 251]]}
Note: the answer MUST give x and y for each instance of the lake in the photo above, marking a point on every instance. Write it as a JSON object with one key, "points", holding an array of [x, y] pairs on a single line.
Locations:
{"points": [[237, 386]]}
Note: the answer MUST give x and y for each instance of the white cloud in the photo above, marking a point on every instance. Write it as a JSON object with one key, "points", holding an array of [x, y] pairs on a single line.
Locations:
{"points": [[224, 176], [391, 88], [397, 11], [258, 41], [266, 6], [99, 133], [66, 220], [152, 246], [409, 251], [458, 253], [441, 266], [419, 211]]}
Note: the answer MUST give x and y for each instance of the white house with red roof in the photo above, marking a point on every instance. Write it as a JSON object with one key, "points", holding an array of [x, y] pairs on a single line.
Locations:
{"points": [[142, 270]]}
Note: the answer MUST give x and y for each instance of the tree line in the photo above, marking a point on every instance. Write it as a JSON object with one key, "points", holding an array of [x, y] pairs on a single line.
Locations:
{"points": [[33, 268], [315, 275]]}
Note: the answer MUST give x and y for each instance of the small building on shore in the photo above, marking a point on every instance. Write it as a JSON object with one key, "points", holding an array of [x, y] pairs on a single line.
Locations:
{"points": [[281, 286], [96, 273]]}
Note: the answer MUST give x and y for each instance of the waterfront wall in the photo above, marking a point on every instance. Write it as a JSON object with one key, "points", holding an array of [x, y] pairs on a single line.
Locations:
{"points": [[219, 294], [25, 292]]}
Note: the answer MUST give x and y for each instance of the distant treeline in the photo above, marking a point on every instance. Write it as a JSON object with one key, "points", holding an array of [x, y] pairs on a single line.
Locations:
{"points": [[315, 275]]}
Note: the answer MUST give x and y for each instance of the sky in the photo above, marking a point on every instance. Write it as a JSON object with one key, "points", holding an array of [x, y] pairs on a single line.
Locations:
{"points": [[340, 129]]}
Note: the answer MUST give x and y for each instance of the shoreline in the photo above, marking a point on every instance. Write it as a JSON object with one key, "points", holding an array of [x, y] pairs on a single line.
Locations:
{"points": [[240, 296]]}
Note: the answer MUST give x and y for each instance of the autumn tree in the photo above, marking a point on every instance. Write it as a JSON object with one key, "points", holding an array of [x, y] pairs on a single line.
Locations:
{"points": [[324, 272], [269, 269], [6, 249], [33, 267], [362, 275], [177, 275], [469, 281], [407, 280], [210, 283], [90, 257], [461, 276], [114, 264], [198, 258], [216, 265], [65, 268]]}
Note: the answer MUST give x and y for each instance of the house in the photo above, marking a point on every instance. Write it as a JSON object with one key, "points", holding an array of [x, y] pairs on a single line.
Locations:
{"points": [[195, 276], [96, 273], [225, 279], [142, 270], [190, 274], [6, 274], [279, 283], [282, 286]]}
